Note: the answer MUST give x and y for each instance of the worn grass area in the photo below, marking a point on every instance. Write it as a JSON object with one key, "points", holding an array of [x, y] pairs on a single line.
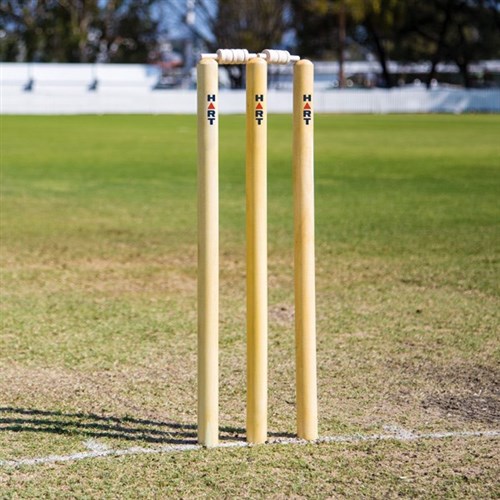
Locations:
{"points": [[98, 249], [425, 469]]}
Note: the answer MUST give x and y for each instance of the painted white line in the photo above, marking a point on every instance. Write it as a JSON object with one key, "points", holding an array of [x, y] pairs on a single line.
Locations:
{"points": [[135, 450], [399, 432], [100, 451], [408, 436], [94, 445]]}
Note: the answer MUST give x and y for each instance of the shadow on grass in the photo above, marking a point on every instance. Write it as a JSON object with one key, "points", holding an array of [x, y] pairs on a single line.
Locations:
{"points": [[90, 425]]}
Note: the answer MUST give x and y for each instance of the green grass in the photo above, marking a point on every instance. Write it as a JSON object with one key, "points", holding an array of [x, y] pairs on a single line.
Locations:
{"points": [[98, 341]]}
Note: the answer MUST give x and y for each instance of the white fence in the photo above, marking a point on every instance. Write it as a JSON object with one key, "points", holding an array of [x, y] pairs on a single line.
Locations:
{"points": [[101, 89]]}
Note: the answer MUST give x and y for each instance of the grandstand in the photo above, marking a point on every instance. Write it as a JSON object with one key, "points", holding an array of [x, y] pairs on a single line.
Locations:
{"points": [[39, 88]]}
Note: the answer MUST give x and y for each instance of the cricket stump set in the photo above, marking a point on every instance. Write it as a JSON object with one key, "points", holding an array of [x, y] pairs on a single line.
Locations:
{"points": [[256, 241]]}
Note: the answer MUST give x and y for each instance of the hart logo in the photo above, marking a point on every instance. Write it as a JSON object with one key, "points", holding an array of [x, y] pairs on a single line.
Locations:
{"points": [[211, 109], [307, 111], [259, 109]]}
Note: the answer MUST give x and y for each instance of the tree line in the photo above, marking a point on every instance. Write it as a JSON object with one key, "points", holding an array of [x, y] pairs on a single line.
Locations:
{"points": [[457, 31]]}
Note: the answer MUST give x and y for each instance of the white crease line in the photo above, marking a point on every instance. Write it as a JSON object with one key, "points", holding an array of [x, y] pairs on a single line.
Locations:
{"points": [[94, 445], [398, 435], [136, 450], [399, 431], [407, 436]]}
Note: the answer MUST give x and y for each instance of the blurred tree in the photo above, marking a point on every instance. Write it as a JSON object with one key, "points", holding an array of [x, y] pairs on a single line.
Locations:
{"points": [[77, 30], [381, 21], [251, 24], [459, 31], [325, 27], [315, 24], [321, 29]]}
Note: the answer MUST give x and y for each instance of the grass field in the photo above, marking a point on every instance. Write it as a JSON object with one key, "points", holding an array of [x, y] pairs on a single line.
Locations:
{"points": [[98, 342]]}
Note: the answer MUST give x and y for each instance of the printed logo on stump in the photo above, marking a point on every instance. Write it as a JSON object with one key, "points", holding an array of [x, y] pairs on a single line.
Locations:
{"points": [[259, 109], [307, 111], [211, 109]]}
